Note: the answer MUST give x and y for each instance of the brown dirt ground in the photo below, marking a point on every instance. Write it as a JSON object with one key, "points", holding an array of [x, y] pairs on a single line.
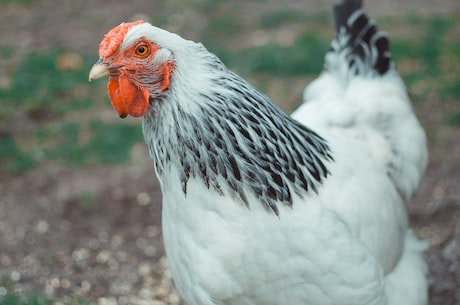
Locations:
{"points": [[95, 233]]}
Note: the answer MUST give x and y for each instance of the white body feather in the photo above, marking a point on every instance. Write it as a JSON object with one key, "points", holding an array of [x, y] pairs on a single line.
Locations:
{"points": [[347, 243]]}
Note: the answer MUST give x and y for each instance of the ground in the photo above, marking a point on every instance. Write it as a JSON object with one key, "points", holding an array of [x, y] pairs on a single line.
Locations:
{"points": [[93, 233]]}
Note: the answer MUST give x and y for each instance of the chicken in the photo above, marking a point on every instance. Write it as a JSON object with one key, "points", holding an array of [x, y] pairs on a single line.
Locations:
{"points": [[264, 208]]}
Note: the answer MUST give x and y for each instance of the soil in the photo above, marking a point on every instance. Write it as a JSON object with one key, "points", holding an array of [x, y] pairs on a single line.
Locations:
{"points": [[95, 233]]}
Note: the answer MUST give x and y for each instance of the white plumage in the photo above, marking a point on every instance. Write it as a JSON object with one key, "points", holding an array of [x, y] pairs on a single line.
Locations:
{"points": [[260, 208]]}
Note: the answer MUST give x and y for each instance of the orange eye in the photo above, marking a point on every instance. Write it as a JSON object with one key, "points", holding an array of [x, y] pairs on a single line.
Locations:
{"points": [[142, 50]]}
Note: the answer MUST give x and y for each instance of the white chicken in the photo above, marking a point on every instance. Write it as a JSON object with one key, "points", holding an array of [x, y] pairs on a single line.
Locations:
{"points": [[260, 208]]}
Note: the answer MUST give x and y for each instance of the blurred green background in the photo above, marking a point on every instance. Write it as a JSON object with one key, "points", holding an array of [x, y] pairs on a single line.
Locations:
{"points": [[51, 117], [51, 113]]}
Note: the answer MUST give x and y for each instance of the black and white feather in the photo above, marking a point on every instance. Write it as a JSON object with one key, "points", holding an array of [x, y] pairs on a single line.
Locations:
{"points": [[358, 42], [237, 141]]}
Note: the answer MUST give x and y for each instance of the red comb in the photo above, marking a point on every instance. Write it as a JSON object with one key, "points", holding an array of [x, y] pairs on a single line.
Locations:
{"points": [[114, 38]]}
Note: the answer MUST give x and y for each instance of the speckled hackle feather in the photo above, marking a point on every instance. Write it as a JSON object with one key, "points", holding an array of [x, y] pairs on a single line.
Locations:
{"points": [[113, 39]]}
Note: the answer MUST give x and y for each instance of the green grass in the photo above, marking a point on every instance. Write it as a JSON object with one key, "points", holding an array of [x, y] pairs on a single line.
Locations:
{"points": [[38, 84], [12, 158], [453, 119], [220, 29], [432, 45], [6, 52], [301, 58], [431, 49], [14, 299], [277, 19], [107, 143], [207, 6]]}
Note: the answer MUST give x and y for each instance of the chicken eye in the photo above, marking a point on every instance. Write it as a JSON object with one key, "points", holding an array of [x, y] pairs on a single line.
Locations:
{"points": [[142, 50]]}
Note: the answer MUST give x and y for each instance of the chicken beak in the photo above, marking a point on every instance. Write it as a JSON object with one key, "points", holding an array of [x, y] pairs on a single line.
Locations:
{"points": [[99, 70]]}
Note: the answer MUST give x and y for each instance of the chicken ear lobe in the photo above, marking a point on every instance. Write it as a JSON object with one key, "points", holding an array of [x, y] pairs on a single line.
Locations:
{"points": [[166, 79]]}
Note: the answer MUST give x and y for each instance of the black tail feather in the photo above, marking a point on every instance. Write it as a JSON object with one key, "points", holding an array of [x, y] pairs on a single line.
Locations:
{"points": [[342, 11], [366, 48]]}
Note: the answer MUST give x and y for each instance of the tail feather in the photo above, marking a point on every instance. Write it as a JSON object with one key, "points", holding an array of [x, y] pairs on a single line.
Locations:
{"points": [[363, 48], [342, 11], [360, 88]]}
